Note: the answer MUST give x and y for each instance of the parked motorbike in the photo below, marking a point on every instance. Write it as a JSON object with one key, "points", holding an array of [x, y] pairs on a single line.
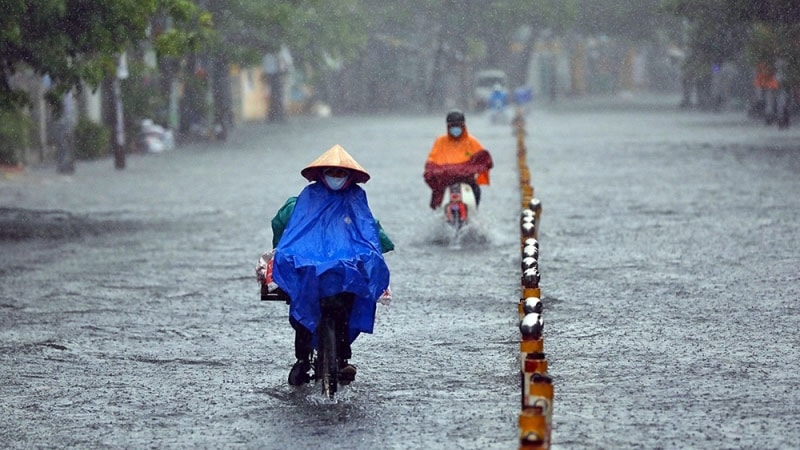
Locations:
{"points": [[498, 107], [154, 138], [499, 116]]}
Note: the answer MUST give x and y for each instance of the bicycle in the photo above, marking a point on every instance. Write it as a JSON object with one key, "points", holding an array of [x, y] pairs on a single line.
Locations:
{"points": [[325, 361]]}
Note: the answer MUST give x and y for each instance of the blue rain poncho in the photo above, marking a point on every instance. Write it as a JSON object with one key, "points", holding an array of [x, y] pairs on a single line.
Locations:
{"points": [[331, 245]]}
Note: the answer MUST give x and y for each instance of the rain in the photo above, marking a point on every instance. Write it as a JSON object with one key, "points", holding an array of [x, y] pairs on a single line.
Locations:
{"points": [[658, 138]]}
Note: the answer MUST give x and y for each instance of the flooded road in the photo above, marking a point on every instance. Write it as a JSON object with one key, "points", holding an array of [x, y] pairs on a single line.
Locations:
{"points": [[130, 315]]}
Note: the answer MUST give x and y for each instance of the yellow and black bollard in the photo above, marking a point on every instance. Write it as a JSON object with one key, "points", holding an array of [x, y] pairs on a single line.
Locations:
{"points": [[530, 282], [528, 305], [534, 419], [527, 224], [535, 205]]}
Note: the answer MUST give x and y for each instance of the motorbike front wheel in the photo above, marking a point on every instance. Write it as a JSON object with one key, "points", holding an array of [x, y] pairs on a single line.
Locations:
{"points": [[456, 215]]}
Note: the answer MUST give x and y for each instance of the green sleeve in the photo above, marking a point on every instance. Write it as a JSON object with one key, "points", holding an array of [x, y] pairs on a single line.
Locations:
{"points": [[386, 244], [281, 219]]}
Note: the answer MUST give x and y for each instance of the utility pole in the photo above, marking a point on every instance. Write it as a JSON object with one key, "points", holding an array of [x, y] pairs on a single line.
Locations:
{"points": [[119, 125]]}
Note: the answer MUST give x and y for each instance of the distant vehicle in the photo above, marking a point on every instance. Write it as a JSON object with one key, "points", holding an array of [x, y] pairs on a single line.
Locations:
{"points": [[485, 81]]}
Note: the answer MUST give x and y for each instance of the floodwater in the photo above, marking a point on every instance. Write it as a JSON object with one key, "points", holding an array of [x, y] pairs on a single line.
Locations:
{"points": [[669, 252]]}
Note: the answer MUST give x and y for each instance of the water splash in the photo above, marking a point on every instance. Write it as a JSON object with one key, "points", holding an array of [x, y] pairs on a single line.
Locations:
{"points": [[434, 230]]}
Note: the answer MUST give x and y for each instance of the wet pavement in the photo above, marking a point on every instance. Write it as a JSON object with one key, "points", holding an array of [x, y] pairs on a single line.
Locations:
{"points": [[670, 256]]}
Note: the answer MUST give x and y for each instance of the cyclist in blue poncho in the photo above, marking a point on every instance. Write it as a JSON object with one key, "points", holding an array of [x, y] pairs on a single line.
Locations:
{"points": [[328, 244]]}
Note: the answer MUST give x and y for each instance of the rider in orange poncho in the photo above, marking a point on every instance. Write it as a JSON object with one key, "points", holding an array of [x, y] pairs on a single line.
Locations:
{"points": [[456, 157]]}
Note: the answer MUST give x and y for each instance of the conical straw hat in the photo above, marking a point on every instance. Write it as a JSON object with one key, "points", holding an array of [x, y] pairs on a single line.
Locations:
{"points": [[335, 156]]}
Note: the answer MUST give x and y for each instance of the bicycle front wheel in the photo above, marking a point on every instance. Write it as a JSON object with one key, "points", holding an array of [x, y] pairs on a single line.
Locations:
{"points": [[327, 362]]}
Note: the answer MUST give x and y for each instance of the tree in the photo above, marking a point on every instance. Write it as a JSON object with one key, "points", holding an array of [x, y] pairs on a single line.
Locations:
{"points": [[246, 30], [768, 29], [775, 34], [786, 12], [74, 41], [721, 27]]}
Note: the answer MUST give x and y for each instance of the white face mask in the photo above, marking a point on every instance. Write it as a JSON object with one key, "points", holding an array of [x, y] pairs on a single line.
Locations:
{"points": [[335, 183], [455, 131]]}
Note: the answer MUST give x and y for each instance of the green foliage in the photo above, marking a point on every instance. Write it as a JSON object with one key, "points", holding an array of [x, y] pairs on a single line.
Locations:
{"points": [[15, 133], [557, 15], [785, 12], [141, 96], [335, 28], [636, 20], [196, 107], [180, 10], [92, 140], [245, 29], [76, 40], [771, 42], [191, 29], [763, 45], [768, 29]]}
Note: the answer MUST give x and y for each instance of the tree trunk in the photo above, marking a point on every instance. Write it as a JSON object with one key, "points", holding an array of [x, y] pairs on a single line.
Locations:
{"points": [[221, 93]]}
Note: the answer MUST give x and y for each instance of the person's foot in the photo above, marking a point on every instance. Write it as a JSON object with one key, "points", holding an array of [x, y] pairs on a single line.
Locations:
{"points": [[347, 372], [299, 373]]}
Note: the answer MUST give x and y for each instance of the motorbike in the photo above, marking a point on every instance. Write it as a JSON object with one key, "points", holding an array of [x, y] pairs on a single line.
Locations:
{"points": [[459, 201], [498, 108], [154, 138]]}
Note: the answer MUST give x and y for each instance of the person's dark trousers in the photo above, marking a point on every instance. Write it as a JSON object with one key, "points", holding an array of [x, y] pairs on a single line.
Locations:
{"points": [[302, 340], [340, 306]]}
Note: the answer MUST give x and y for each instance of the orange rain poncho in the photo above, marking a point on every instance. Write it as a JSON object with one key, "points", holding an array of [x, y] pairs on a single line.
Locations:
{"points": [[454, 159]]}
